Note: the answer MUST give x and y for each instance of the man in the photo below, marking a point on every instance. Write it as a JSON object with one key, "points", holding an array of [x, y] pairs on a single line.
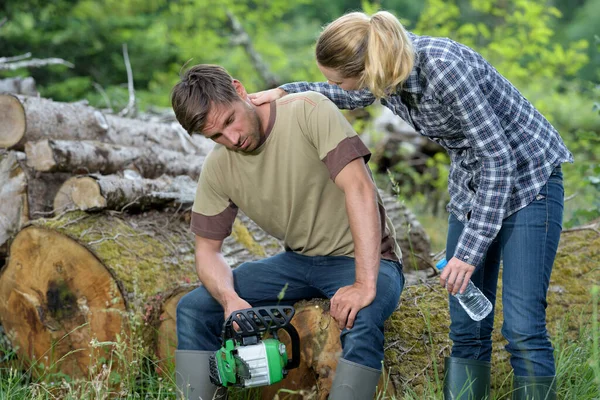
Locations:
{"points": [[297, 168]]}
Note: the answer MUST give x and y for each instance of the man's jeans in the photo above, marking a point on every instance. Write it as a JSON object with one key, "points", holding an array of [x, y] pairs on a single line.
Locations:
{"points": [[200, 318], [527, 243]]}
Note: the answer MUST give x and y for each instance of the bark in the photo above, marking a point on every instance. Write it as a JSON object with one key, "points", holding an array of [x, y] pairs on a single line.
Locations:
{"points": [[13, 199], [18, 85], [33, 119], [410, 235], [105, 158], [113, 192], [81, 276]]}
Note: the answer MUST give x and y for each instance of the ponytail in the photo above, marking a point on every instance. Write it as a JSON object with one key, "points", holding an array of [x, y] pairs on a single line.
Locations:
{"points": [[375, 49]]}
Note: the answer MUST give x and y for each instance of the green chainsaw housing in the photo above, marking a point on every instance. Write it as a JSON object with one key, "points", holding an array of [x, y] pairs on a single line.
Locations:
{"points": [[246, 358]]}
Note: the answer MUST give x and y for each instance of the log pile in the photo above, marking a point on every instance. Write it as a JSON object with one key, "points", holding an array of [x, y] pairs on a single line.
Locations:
{"points": [[94, 232]]}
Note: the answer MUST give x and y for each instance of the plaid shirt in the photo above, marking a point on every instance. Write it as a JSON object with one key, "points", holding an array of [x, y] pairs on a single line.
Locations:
{"points": [[502, 150]]}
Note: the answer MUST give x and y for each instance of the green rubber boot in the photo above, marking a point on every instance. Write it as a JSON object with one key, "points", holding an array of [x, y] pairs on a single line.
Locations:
{"points": [[354, 381], [534, 388], [466, 379], [191, 375]]}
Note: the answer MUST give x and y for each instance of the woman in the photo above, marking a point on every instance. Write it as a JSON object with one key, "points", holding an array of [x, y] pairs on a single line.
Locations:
{"points": [[505, 184]]}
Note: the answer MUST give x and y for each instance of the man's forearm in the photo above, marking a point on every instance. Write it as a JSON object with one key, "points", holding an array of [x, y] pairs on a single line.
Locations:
{"points": [[363, 215], [216, 275]]}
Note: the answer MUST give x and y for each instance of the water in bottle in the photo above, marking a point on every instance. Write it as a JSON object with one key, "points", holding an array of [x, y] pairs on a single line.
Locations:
{"points": [[472, 300]]}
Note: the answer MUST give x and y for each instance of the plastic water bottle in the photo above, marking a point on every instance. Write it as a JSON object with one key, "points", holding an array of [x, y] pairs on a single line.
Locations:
{"points": [[472, 300]]}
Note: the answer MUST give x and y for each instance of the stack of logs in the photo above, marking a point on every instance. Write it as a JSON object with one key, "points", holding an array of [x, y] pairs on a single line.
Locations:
{"points": [[94, 233]]}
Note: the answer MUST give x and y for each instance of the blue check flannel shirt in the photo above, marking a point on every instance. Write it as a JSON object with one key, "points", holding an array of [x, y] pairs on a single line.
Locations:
{"points": [[502, 150]]}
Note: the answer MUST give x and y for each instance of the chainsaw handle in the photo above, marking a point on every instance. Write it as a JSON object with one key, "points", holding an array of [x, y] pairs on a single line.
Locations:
{"points": [[255, 321], [295, 339]]}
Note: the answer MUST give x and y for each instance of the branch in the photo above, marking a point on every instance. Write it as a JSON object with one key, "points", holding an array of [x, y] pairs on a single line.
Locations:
{"points": [[15, 58], [242, 38], [130, 109], [34, 63], [591, 227], [3, 21]]}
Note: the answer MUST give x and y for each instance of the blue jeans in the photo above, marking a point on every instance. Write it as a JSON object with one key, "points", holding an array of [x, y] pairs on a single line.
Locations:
{"points": [[200, 318], [527, 244]]}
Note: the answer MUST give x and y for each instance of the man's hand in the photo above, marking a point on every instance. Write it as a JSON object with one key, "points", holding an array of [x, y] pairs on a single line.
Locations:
{"points": [[235, 305], [266, 96], [455, 275], [348, 301]]}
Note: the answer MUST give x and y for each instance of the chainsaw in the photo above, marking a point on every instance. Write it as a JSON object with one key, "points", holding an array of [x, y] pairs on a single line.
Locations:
{"points": [[247, 358]]}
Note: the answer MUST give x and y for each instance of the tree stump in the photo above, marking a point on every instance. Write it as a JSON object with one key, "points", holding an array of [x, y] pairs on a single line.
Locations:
{"points": [[81, 278]]}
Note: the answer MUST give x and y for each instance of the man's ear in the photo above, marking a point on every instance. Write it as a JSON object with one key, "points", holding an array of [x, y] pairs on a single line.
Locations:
{"points": [[240, 89]]}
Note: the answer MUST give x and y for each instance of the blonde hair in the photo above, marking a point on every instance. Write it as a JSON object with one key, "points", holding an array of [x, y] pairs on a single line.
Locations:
{"points": [[375, 49]]}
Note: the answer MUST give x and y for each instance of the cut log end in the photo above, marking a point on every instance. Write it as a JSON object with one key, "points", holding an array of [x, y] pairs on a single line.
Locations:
{"points": [[40, 155], [82, 193], [12, 115], [54, 293]]}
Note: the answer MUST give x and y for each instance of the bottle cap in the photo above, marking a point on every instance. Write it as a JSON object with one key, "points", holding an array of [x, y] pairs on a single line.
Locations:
{"points": [[441, 264]]}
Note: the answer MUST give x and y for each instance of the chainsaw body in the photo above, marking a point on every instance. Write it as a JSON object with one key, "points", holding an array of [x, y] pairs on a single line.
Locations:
{"points": [[246, 358]]}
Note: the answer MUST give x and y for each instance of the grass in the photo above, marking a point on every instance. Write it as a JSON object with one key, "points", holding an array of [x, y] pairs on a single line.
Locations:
{"points": [[577, 361]]}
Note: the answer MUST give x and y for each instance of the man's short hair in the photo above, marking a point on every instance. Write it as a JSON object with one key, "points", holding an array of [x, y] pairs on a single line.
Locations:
{"points": [[201, 87]]}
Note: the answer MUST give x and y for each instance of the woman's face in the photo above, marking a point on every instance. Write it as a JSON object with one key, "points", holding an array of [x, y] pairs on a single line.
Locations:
{"points": [[335, 78]]}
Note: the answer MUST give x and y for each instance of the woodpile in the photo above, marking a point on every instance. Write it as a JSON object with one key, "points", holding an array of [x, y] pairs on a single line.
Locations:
{"points": [[94, 232]]}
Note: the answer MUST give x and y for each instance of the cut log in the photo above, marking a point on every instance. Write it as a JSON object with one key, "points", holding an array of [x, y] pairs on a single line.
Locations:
{"points": [[13, 199], [33, 119], [12, 115], [96, 192], [105, 158], [81, 276], [161, 312]]}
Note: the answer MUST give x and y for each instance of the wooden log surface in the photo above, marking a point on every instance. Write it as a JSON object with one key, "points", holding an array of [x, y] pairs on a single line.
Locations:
{"points": [[33, 118], [81, 276], [106, 158], [114, 192], [13, 198]]}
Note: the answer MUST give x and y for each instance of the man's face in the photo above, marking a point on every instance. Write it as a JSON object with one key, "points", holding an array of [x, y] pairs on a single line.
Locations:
{"points": [[235, 126]]}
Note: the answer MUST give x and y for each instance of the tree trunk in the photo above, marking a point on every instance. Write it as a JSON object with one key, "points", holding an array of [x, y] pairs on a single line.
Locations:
{"points": [[81, 276], [105, 158], [33, 118], [13, 199], [97, 192]]}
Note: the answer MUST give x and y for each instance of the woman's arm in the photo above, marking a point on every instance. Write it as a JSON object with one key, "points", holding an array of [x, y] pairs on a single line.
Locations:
{"points": [[344, 99]]}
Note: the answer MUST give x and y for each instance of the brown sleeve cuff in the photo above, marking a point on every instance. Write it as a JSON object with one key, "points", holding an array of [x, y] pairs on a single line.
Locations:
{"points": [[216, 227], [347, 150]]}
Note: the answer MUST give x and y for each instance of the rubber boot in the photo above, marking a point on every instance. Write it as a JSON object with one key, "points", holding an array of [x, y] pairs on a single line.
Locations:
{"points": [[191, 375], [466, 379], [354, 381], [534, 388]]}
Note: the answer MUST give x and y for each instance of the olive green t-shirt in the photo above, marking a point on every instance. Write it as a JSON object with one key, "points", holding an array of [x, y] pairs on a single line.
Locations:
{"points": [[286, 185]]}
